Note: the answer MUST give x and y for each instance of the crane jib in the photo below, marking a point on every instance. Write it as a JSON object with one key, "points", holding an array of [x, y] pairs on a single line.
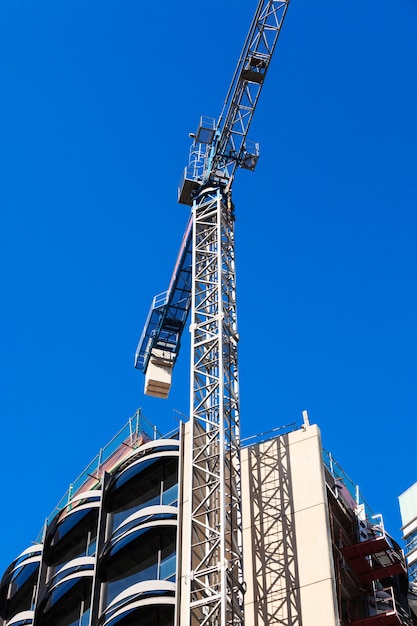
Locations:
{"points": [[229, 145]]}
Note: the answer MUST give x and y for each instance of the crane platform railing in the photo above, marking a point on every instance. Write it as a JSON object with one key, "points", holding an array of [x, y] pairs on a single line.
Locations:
{"points": [[169, 310], [222, 146]]}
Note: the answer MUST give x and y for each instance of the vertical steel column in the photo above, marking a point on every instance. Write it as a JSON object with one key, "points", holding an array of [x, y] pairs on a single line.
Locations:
{"points": [[215, 580]]}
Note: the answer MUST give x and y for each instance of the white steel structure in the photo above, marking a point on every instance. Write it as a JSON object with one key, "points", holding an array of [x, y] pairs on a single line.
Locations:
{"points": [[204, 280], [216, 576]]}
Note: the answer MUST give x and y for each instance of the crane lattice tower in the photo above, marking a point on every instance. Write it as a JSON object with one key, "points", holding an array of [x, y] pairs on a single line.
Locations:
{"points": [[204, 281]]}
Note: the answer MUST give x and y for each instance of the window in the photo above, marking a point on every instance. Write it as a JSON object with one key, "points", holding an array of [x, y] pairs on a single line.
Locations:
{"points": [[412, 571], [411, 542]]}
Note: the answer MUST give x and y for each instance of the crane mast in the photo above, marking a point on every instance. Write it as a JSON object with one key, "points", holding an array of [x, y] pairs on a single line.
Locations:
{"points": [[204, 281]]}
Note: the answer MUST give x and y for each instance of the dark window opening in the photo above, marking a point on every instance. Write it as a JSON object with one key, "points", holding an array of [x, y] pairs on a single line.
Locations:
{"points": [[150, 556]]}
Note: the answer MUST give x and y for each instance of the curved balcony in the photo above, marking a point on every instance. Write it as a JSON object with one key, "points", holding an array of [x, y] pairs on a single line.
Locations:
{"points": [[150, 458], [136, 528], [77, 509], [71, 570], [157, 447], [148, 480], [66, 593], [70, 535], [25, 618], [19, 582], [142, 518], [143, 550], [153, 599], [160, 446]]}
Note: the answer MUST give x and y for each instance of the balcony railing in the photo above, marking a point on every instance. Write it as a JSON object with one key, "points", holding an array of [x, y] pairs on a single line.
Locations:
{"points": [[137, 430]]}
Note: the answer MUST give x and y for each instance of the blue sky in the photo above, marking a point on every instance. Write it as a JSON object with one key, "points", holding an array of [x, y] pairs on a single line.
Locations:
{"points": [[97, 100]]}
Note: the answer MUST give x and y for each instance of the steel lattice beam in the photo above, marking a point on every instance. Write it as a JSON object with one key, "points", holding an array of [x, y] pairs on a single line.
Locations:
{"points": [[246, 86], [216, 572]]}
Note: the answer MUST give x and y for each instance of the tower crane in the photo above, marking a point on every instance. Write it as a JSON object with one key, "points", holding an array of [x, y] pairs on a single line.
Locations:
{"points": [[203, 281]]}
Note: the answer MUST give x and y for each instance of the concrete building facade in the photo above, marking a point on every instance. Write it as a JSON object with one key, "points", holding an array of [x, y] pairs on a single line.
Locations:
{"points": [[408, 510], [114, 551], [314, 553]]}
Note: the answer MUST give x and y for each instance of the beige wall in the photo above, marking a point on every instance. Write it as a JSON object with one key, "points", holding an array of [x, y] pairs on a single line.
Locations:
{"points": [[286, 537]]}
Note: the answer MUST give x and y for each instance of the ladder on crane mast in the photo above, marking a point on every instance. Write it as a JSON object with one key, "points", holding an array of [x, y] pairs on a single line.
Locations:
{"points": [[204, 282]]}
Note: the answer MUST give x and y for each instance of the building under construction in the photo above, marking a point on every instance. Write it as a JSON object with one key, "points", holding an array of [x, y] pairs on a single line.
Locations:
{"points": [[115, 550]]}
